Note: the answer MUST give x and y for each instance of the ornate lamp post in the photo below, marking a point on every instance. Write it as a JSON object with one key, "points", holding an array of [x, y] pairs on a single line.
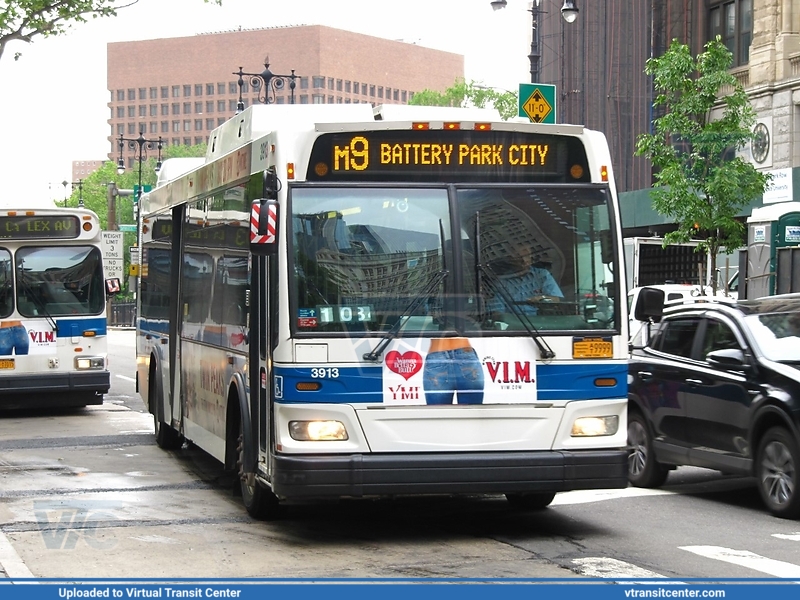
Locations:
{"points": [[267, 83], [569, 11], [143, 145]]}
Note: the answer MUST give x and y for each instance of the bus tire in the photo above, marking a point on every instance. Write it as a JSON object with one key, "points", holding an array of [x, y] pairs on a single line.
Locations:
{"points": [[259, 501], [536, 501], [167, 438]]}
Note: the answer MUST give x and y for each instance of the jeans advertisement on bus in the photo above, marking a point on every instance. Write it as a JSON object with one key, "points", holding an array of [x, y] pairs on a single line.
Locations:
{"points": [[20, 338], [446, 371]]}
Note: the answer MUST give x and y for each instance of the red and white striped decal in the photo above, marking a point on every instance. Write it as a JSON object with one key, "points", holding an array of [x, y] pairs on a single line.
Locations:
{"points": [[255, 215]]}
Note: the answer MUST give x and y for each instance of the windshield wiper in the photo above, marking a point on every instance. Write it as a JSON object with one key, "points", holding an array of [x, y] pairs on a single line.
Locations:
{"points": [[435, 282], [483, 272], [37, 301]]}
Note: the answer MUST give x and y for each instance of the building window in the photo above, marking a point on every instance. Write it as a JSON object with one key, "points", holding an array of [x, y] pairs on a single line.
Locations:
{"points": [[355, 87], [198, 107], [303, 99], [221, 89], [187, 125], [221, 106], [131, 111], [176, 141], [330, 99], [279, 100], [176, 91], [372, 91], [209, 89], [187, 108], [142, 110], [153, 110], [396, 95], [198, 89], [120, 128], [164, 109], [187, 91], [232, 105], [733, 22], [198, 125], [187, 141], [131, 94], [317, 82], [165, 92], [209, 124], [363, 89], [233, 87], [120, 112], [380, 91], [142, 93], [199, 140], [347, 87], [176, 127], [220, 121], [153, 127], [404, 96], [317, 99], [120, 95], [304, 83], [338, 85], [210, 106], [176, 109], [164, 126], [131, 128], [330, 83]]}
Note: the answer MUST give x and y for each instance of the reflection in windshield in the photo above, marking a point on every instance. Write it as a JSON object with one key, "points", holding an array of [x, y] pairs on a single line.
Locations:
{"points": [[362, 255], [59, 281], [777, 334]]}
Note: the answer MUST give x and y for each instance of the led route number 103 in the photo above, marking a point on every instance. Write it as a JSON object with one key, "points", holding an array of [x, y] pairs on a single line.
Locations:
{"points": [[345, 314]]}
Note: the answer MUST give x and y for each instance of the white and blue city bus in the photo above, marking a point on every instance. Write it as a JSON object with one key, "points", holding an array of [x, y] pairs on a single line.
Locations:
{"points": [[53, 349], [331, 305]]}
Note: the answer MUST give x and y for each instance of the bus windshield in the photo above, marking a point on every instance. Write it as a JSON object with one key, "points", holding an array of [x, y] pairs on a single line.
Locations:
{"points": [[528, 257], [59, 281]]}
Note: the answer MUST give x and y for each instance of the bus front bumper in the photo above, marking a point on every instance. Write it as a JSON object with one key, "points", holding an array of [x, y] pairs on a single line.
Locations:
{"points": [[53, 389], [448, 473]]}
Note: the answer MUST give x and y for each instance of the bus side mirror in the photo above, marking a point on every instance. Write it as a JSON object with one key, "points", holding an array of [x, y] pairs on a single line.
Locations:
{"points": [[113, 286], [264, 227]]}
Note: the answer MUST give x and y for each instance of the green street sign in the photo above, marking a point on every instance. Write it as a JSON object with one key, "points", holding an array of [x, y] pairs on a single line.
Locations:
{"points": [[127, 227], [145, 188], [537, 101]]}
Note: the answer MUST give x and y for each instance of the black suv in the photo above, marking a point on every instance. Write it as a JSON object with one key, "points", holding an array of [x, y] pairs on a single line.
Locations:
{"points": [[718, 386]]}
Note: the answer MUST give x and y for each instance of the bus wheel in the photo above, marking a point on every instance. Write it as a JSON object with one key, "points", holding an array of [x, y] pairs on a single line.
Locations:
{"points": [[530, 501], [167, 437], [259, 501]]}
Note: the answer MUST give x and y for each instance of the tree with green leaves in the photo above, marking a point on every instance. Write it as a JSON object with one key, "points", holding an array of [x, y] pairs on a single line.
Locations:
{"points": [[462, 94], [24, 20], [702, 186]]}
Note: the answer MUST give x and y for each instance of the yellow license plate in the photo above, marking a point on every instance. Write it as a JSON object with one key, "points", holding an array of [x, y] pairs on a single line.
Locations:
{"points": [[592, 348], [6, 363]]}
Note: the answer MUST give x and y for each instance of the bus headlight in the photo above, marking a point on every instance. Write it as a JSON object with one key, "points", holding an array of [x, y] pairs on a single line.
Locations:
{"points": [[84, 363], [595, 426], [317, 431]]}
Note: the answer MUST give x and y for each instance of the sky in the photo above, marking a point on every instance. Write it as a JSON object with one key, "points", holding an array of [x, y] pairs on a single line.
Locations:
{"points": [[46, 124]]}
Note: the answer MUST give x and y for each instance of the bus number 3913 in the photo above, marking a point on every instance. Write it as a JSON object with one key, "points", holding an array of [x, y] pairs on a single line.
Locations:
{"points": [[325, 373]]}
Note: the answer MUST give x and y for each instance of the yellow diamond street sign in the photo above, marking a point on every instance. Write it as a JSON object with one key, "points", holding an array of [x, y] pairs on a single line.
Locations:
{"points": [[537, 101]]}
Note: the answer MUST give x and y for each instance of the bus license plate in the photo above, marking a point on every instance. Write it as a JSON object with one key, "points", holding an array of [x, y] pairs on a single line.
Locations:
{"points": [[592, 348], [6, 363]]}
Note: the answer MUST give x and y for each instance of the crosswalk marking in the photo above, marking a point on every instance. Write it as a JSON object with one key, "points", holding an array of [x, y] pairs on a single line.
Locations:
{"points": [[611, 568], [743, 558], [586, 496]]}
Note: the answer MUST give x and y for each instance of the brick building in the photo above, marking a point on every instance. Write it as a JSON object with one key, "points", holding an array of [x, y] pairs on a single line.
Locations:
{"points": [[182, 88]]}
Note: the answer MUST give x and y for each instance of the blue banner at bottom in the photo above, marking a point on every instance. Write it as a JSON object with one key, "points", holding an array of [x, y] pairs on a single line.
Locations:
{"points": [[512, 589]]}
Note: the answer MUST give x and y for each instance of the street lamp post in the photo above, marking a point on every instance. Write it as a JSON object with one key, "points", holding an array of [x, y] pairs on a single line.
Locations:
{"points": [[268, 84], [143, 145], [569, 11], [79, 183]]}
